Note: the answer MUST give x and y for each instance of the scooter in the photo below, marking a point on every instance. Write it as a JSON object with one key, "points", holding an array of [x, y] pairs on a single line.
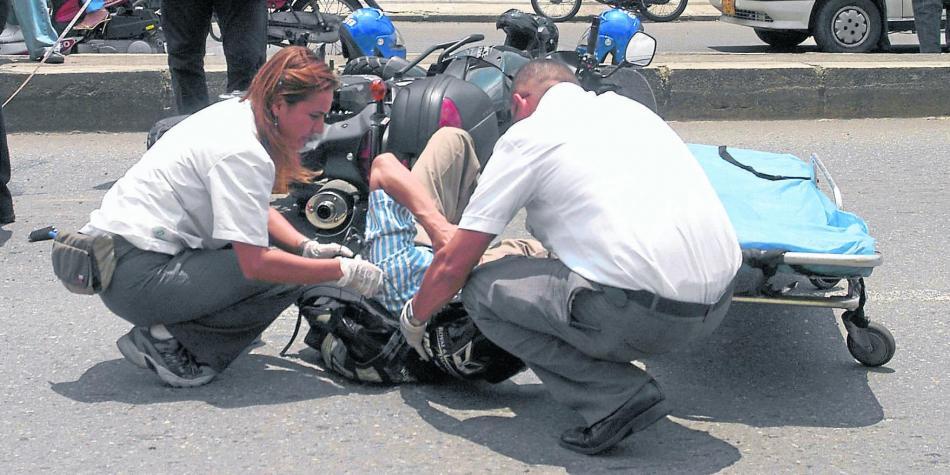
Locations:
{"points": [[131, 26]]}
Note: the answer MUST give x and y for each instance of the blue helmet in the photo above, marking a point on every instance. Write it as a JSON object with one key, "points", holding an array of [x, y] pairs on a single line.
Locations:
{"points": [[616, 28], [374, 34]]}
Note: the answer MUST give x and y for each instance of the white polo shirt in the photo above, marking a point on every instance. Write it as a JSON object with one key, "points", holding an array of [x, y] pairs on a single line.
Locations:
{"points": [[206, 183], [611, 190]]}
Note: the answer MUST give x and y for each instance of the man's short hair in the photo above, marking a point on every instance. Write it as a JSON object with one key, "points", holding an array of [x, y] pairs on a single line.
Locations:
{"points": [[538, 75]]}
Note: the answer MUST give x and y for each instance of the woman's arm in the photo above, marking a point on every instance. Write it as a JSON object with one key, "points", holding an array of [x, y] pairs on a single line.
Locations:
{"points": [[274, 265], [283, 234]]}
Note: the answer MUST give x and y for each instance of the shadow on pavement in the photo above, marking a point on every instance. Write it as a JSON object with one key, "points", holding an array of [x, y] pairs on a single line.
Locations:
{"points": [[766, 366], [522, 422], [252, 380], [104, 186], [5, 235], [770, 366]]}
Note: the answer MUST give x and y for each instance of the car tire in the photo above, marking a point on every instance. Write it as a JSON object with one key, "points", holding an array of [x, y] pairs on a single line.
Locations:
{"points": [[781, 38], [847, 26]]}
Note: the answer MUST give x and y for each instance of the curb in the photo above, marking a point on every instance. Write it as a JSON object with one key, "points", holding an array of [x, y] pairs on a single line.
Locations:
{"points": [[96, 97]]}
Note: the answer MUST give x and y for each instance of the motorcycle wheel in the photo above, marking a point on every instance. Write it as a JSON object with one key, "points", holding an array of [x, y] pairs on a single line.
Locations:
{"points": [[340, 8], [662, 10], [556, 10]]}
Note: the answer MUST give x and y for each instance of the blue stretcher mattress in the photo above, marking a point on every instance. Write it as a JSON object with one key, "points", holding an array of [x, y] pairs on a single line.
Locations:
{"points": [[787, 214]]}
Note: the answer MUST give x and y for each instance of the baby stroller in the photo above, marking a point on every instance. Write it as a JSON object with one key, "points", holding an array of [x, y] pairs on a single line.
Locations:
{"points": [[359, 339]]}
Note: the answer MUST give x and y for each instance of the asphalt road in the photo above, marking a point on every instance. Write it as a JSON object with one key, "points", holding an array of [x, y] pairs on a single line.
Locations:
{"points": [[676, 37], [774, 390]]}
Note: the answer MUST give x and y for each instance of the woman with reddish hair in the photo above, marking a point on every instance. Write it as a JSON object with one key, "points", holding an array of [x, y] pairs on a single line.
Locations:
{"points": [[196, 274]]}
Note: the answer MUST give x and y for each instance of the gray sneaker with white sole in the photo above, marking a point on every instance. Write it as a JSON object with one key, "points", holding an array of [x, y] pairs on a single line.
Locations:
{"points": [[172, 362]]}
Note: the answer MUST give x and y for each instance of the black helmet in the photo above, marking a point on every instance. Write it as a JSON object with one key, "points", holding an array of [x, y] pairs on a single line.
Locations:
{"points": [[528, 32], [459, 348]]}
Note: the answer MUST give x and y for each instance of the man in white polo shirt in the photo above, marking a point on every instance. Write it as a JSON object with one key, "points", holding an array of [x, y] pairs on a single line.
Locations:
{"points": [[646, 255]]}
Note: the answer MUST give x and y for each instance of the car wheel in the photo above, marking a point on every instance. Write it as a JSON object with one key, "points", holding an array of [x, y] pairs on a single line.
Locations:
{"points": [[848, 26], [781, 38]]}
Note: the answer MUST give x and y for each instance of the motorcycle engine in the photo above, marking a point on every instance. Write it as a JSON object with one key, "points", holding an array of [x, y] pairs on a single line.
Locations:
{"points": [[332, 209]]}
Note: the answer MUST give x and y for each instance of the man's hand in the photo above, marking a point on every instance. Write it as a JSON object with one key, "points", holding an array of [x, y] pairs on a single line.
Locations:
{"points": [[414, 333], [359, 275], [315, 250]]}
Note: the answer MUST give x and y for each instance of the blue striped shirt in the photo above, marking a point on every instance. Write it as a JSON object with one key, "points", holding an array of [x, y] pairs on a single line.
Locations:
{"points": [[390, 232]]}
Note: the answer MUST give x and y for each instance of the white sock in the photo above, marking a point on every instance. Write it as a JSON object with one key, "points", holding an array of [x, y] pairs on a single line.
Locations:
{"points": [[159, 331]]}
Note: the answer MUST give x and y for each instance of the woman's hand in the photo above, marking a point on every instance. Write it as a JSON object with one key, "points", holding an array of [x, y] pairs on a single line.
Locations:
{"points": [[315, 250]]}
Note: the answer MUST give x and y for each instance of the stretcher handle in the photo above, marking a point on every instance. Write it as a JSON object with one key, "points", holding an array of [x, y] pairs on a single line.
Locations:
{"points": [[836, 193]]}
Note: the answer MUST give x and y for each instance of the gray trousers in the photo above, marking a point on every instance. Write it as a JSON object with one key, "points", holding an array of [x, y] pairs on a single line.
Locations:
{"points": [[201, 296], [927, 23], [577, 339]]}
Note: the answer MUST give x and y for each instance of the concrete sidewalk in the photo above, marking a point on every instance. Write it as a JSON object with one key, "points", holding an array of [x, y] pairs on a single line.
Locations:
{"points": [[488, 10], [131, 92]]}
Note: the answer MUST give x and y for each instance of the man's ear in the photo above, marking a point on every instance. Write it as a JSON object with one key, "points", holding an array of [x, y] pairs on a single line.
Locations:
{"points": [[520, 101]]}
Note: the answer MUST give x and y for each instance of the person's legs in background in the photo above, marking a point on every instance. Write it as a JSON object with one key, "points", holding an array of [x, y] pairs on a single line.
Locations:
{"points": [[927, 23], [38, 33], [243, 26], [186, 24], [6, 199]]}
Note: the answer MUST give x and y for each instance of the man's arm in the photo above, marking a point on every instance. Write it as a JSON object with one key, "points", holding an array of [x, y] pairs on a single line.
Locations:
{"points": [[449, 271], [389, 175]]}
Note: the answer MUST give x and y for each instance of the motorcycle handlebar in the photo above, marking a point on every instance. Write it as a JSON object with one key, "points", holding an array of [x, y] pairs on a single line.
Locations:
{"points": [[448, 46], [592, 37]]}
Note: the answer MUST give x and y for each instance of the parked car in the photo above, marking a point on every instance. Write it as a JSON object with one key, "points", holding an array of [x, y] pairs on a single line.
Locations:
{"points": [[839, 26]]}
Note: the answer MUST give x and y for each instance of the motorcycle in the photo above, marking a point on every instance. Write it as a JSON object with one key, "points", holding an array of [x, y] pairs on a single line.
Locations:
{"points": [[469, 89], [132, 26], [654, 10]]}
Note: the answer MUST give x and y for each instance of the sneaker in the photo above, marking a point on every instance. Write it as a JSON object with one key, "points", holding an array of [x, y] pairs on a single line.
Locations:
{"points": [[167, 358], [55, 57], [11, 34]]}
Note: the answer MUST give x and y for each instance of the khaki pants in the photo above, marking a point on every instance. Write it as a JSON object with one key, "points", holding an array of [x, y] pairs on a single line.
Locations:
{"points": [[448, 169]]}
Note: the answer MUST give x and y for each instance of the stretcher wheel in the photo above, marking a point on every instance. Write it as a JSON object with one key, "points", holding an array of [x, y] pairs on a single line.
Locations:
{"points": [[882, 345], [823, 283]]}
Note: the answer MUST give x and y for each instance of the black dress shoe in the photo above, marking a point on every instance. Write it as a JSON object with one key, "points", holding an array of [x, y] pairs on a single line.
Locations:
{"points": [[647, 406]]}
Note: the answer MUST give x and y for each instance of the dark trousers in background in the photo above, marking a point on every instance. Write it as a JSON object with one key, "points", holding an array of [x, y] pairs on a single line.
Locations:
{"points": [[927, 23], [186, 24], [6, 199]]}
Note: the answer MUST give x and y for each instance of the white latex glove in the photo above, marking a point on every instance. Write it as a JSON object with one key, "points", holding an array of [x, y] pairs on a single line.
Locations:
{"points": [[359, 275], [414, 334], [315, 250]]}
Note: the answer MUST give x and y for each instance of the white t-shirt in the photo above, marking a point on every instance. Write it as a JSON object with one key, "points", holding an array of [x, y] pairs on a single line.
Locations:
{"points": [[610, 189], [207, 182]]}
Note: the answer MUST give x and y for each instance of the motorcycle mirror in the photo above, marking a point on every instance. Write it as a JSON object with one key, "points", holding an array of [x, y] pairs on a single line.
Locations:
{"points": [[640, 50]]}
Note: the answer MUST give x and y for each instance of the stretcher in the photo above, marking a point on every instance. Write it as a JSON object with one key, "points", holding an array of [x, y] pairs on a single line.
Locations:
{"points": [[788, 227]]}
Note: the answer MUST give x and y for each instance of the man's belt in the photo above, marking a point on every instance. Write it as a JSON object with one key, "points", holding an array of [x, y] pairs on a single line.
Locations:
{"points": [[649, 300]]}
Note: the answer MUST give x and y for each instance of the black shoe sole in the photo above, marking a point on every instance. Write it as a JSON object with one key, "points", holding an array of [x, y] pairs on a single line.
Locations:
{"points": [[642, 421]]}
